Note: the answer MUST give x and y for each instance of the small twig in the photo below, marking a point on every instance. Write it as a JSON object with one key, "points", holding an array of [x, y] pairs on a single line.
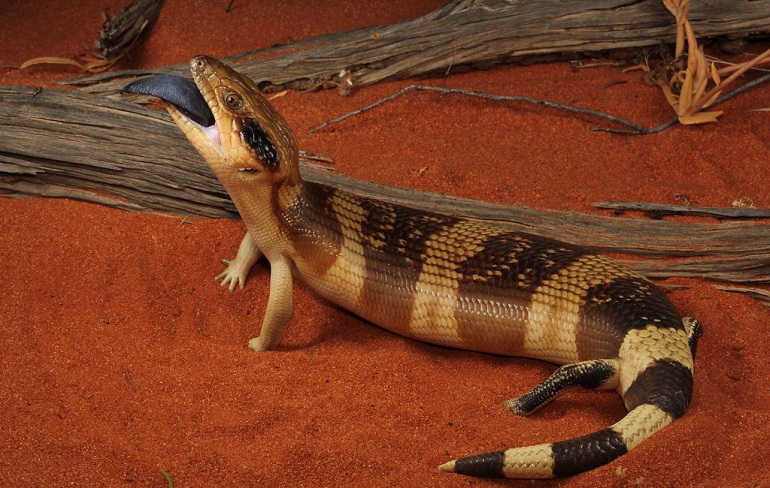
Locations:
{"points": [[511, 98], [658, 210], [577, 64], [315, 157], [166, 475], [637, 132], [636, 129], [129, 378]]}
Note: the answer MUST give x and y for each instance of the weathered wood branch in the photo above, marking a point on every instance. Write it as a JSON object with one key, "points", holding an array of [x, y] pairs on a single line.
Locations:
{"points": [[475, 33], [120, 33], [660, 210], [107, 151], [759, 294], [753, 269]]}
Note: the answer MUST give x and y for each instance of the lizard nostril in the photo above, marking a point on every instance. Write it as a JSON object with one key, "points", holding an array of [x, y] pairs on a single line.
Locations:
{"points": [[197, 64]]}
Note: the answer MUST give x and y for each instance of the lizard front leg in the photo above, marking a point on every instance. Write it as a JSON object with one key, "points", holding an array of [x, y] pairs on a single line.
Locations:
{"points": [[279, 306], [238, 269]]}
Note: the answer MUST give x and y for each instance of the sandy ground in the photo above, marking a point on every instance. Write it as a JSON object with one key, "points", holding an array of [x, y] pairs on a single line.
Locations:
{"points": [[121, 357]]}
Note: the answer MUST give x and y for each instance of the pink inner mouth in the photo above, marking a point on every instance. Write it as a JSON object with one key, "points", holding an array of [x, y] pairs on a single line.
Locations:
{"points": [[212, 132]]}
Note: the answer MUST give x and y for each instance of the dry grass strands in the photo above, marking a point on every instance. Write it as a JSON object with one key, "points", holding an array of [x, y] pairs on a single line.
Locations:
{"points": [[692, 88]]}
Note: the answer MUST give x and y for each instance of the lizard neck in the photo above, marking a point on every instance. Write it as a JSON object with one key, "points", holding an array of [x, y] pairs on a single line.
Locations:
{"points": [[267, 209], [310, 226]]}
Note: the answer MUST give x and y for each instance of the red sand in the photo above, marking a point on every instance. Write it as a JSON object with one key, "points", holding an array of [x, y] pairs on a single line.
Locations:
{"points": [[121, 354]]}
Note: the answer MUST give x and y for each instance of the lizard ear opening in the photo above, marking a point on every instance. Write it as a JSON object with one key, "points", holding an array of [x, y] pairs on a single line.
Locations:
{"points": [[260, 142]]}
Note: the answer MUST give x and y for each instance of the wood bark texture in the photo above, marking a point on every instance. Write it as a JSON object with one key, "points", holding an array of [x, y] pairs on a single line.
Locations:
{"points": [[108, 151], [120, 33], [471, 34]]}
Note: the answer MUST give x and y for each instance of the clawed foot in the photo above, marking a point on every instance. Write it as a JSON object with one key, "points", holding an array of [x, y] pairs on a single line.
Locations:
{"points": [[238, 269], [234, 275]]}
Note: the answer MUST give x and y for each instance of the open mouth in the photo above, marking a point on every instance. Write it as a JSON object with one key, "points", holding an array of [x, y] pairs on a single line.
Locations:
{"points": [[185, 97], [185, 101], [180, 92]]}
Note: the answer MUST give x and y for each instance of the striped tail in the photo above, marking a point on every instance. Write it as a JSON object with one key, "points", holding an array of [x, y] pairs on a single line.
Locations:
{"points": [[566, 458]]}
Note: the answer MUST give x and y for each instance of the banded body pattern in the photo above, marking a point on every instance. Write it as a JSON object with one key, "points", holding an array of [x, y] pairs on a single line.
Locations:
{"points": [[460, 283], [448, 281]]}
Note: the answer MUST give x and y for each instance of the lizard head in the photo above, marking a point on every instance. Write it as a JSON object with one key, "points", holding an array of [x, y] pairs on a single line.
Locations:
{"points": [[242, 138]]}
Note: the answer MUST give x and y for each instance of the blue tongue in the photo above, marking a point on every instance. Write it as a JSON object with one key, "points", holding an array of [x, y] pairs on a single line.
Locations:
{"points": [[177, 90]]}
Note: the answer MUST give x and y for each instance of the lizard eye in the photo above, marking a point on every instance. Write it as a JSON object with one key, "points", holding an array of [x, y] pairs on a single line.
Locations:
{"points": [[233, 101]]}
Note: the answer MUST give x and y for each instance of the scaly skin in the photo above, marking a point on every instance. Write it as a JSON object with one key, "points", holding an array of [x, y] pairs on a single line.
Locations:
{"points": [[447, 281]]}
